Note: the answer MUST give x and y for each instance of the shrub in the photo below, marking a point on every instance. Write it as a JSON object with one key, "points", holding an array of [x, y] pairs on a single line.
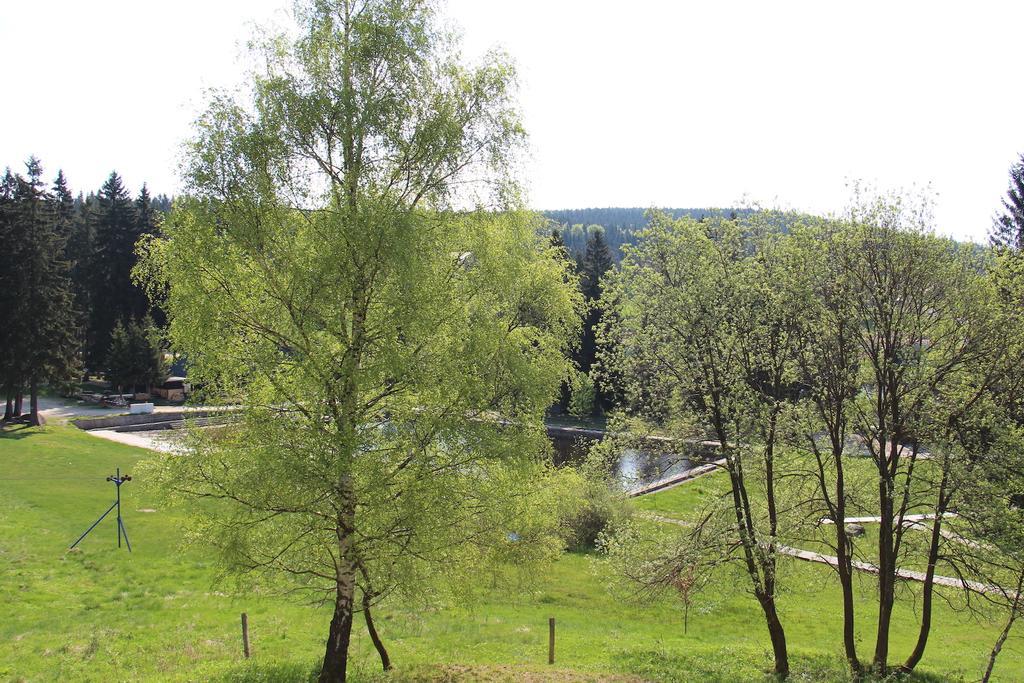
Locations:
{"points": [[582, 395], [601, 508]]}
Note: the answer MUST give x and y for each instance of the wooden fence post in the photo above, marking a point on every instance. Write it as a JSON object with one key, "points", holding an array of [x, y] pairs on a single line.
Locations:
{"points": [[245, 634], [551, 640]]}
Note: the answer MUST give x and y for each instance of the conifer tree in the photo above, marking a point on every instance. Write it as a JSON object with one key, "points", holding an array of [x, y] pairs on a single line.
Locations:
{"points": [[80, 254], [147, 217], [64, 208], [119, 358], [135, 357], [9, 295], [596, 262], [116, 231], [147, 222], [42, 330], [556, 239], [1008, 227]]}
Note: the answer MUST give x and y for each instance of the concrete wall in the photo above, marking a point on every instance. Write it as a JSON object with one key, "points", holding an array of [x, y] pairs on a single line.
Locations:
{"points": [[114, 421]]}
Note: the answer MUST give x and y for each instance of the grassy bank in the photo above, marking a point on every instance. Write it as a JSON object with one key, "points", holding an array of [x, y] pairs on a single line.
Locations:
{"points": [[159, 613]]}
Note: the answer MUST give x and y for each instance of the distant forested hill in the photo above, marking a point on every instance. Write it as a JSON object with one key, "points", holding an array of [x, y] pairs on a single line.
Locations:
{"points": [[619, 223]]}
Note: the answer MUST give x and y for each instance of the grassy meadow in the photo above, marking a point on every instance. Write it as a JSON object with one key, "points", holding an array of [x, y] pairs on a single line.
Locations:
{"points": [[160, 613]]}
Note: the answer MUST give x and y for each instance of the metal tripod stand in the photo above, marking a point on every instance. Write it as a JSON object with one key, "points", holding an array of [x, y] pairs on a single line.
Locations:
{"points": [[118, 480]]}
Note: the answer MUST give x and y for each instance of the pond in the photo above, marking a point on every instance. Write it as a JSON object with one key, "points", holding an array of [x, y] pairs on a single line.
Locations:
{"points": [[634, 467]]}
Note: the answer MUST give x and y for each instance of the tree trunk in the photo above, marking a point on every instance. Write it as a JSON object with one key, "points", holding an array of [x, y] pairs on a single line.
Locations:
{"points": [[336, 655], [385, 660], [929, 579], [778, 636], [9, 409], [18, 400], [849, 621], [338, 639], [886, 576], [1014, 610], [926, 604], [775, 630], [885, 602], [758, 564], [844, 553], [34, 403]]}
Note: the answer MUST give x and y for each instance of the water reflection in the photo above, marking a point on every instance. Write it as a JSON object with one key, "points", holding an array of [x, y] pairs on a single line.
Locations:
{"points": [[634, 467]]}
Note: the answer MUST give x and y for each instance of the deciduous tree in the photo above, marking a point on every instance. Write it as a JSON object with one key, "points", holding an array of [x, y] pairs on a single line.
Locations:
{"points": [[393, 356], [702, 316]]}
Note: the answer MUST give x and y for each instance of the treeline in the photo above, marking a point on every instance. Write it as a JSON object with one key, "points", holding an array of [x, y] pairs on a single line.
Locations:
{"points": [[594, 252], [620, 224], [66, 289]]}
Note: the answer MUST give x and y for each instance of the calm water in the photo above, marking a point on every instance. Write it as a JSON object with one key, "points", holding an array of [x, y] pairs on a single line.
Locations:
{"points": [[634, 467]]}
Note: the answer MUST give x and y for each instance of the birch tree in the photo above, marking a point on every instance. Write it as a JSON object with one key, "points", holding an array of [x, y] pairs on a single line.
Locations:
{"points": [[393, 356]]}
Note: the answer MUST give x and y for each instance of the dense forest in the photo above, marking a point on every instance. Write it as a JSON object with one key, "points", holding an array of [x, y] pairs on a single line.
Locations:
{"points": [[68, 302], [620, 224]]}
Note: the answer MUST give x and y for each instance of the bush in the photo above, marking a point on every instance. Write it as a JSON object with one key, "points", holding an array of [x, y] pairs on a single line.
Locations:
{"points": [[582, 395], [601, 508]]}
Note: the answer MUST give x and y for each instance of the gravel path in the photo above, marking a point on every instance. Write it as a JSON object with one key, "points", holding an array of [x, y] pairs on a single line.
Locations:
{"points": [[164, 440], [54, 408]]}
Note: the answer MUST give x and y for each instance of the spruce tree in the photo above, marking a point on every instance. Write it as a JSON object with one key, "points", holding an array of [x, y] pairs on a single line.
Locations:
{"points": [[596, 262], [149, 353], [44, 333], [1008, 227], [10, 295], [146, 215], [135, 357], [556, 239], [116, 231], [64, 208], [120, 358], [147, 222], [80, 254]]}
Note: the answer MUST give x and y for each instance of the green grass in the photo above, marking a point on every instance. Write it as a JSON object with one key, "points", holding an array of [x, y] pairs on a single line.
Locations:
{"points": [[686, 500], [159, 613]]}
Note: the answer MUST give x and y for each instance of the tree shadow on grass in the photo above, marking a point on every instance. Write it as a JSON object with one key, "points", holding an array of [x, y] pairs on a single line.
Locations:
{"points": [[256, 671], [15, 431], [722, 665]]}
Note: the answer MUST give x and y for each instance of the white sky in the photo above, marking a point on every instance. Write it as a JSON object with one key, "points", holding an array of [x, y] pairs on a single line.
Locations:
{"points": [[641, 103]]}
